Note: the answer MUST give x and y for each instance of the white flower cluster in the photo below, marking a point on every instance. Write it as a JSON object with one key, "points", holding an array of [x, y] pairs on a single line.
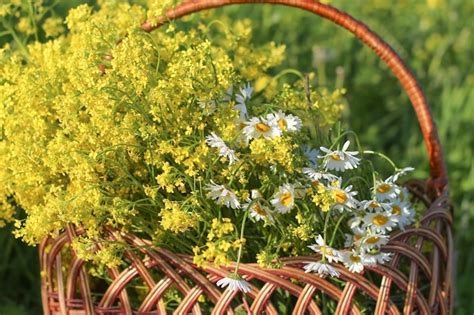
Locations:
{"points": [[271, 126], [371, 220]]}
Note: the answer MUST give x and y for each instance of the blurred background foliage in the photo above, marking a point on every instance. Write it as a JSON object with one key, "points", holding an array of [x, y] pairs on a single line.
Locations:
{"points": [[434, 37]]}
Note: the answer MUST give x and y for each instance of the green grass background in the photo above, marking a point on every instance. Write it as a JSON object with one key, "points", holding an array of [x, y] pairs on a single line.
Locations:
{"points": [[434, 37]]}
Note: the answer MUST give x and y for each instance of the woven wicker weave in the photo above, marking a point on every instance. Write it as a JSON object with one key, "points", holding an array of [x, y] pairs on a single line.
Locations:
{"points": [[423, 288]]}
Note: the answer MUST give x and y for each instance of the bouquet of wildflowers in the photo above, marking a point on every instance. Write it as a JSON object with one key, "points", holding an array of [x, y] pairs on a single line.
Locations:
{"points": [[191, 138]]}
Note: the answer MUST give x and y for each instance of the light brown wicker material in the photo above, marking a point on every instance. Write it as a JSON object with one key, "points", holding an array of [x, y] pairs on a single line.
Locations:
{"points": [[426, 283]]}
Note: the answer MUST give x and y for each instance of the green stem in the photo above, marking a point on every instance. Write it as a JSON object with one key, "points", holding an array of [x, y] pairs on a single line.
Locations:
{"points": [[242, 230], [326, 222], [337, 228], [345, 133], [386, 158], [31, 13], [18, 42]]}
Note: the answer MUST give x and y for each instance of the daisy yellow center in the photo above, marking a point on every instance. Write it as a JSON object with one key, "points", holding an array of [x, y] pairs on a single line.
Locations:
{"points": [[286, 199], [383, 188], [354, 258], [372, 240], [357, 237], [396, 210], [340, 196], [374, 204], [259, 210], [379, 219], [336, 157], [326, 250], [282, 124], [261, 127]]}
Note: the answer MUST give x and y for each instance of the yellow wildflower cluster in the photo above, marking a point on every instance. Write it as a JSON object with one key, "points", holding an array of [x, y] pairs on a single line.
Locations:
{"points": [[178, 131], [219, 244], [322, 197], [267, 259], [105, 254], [277, 150], [87, 120], [177, 220]]}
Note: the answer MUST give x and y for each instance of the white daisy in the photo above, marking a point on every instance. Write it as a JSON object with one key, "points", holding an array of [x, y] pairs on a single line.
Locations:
{"points": [[374, 206], [258, 127], [403, 212], [321, 268], [355, 222], [257, 210], [260, 212], [316, 176], [241, 99], [235, 283], [400, 173], [386, 190], [371, 240], [311, 154], [381, 222], [245, 93], [403, 195], [340, 160], [222, 195], [215, 141], [353, 261], [255, 194], [371, 259], [344, 198], [355, 238], [289, 123], [284, 199], [328, 252], [242, 109]]}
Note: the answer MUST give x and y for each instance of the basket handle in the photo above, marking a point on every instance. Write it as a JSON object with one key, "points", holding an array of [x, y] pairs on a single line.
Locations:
{"points": [[438, 180]]}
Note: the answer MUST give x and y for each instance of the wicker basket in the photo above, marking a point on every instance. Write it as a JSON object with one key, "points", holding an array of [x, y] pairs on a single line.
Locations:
{"points": [[425, 287]]}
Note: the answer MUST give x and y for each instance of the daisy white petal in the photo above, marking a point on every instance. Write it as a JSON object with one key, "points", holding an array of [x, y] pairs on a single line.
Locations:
{"points": [[355, 238], [284, 199], [235, 283], [353, 261], [321, 268], [371, 259], [215, 141], [288, 123], [328, 252], [371, 240], [344, 198], [312, 155], [403, 212], [374, 206], [257, 211], [316, 176], [258, 127], [400, 173], [381, 222], [222, 195], [386, 190], [340, 160]]}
